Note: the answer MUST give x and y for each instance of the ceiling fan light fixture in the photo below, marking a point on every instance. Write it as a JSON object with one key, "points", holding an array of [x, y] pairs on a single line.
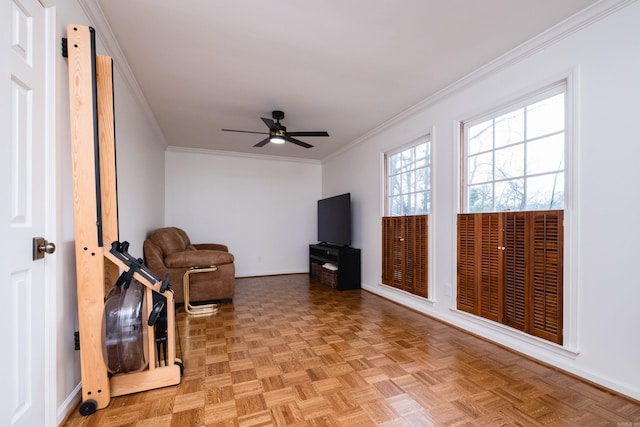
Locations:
{"points": [[276, 139]]}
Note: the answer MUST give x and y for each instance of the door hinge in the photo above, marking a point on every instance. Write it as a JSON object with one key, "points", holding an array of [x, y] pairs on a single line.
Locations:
{"points": [[65, 50]]}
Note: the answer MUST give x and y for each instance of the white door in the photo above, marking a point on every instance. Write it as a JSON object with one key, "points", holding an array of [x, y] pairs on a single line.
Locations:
{"points": [[22, 213]]}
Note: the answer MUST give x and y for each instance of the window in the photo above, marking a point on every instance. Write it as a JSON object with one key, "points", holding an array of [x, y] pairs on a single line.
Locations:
{"points": [[408, 180], [405, 228], [510, 238], [515, 159]]}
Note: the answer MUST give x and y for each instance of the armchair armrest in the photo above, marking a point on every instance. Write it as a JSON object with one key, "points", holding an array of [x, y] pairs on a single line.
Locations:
{"points": [[211, 247]]}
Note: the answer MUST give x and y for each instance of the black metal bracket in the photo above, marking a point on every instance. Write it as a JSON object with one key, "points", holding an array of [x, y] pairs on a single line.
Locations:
{"points": [[65, 50], [165, 283], [136, 265]]}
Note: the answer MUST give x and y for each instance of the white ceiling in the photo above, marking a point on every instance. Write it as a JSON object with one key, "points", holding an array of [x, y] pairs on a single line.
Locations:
{"points": [[344, 66]]}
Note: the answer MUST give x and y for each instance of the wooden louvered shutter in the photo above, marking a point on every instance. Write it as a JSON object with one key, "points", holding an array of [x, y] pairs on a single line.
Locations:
{"points": [[515, 275], [510, 269], [392, 263], [408, 267], [468, 233], [546, 261], [404, 253], [490, 286], [415, 255], [387, 250], [420, 251]]}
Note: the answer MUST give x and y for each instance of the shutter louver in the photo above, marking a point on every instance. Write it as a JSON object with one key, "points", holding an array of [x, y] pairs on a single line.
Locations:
{"points": [[420, 272], [515, 295], [398, 232], [408, 245], [546, 278], [387, 250], [490, 267], [392, 257], [467, 294]]}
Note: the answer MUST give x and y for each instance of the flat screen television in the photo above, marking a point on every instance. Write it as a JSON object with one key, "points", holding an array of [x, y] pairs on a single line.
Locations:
{"points": [[334, 220]]}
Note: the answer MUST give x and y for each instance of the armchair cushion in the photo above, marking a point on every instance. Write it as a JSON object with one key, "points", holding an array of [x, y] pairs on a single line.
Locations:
{"points": [[197, 258], [210, 246], [169, 251]]}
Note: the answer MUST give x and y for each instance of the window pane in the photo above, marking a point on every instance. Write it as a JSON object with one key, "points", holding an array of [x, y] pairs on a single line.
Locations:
{"points": [[403, 182], [546, 155], [407, 204], [480, 168], [481, 137], [545, 117], [421, 151], [408, 159], [510, 195], [420, 204], [421, 180], [394, 164], [509, 162], [509, 128], [545, 192], [427, 178], [481, 198], [395, 185], [395, 206], [427, 203], [408, 181]]}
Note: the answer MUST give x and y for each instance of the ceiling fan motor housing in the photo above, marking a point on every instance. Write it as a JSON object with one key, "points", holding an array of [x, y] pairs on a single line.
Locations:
{"points": [[277, 115]]}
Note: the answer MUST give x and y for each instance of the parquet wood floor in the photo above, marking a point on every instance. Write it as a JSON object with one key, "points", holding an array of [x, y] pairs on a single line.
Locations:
{"points": [[288, 352]]}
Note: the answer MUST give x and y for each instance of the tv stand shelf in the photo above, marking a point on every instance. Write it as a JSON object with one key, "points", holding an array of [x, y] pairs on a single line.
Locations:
{"points": [[346, 258]]}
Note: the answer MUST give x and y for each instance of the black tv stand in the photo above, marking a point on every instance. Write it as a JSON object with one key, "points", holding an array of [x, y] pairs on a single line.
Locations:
{"points": [[346, 258]]}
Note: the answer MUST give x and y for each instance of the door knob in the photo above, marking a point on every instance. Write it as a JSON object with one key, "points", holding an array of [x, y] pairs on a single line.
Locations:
{"points": [[41, 247]]}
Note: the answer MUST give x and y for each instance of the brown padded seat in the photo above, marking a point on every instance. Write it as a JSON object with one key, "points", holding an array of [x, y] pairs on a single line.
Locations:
{"points": [[169, 250]]}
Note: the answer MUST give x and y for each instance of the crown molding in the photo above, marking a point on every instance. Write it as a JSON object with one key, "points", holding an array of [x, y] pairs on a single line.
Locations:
{"points": [[208, 152], [104, 33], [584, 18]]}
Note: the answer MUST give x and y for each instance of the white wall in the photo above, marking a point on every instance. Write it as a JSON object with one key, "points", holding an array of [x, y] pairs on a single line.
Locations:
{"points": [[602, 288], [140, 169], [264, 209]]}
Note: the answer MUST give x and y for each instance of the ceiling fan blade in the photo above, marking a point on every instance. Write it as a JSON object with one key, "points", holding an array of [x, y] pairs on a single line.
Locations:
{"points": [[262, 143], [323, 133], [297, 142], [244, 131], [270, 123]]}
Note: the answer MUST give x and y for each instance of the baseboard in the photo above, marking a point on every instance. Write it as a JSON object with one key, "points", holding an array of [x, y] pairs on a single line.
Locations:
{"points": [[69, 404]]}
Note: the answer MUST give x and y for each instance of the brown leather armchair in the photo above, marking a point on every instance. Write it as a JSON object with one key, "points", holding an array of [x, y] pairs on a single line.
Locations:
{"points": [[169, 250]]}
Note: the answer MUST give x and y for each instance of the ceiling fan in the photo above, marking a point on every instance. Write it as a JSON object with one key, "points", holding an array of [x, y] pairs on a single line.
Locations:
{"points": [[278, 133]]}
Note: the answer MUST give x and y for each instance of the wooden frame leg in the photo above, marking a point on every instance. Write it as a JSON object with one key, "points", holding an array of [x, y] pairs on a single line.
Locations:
{"points": [[197, 309]]}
